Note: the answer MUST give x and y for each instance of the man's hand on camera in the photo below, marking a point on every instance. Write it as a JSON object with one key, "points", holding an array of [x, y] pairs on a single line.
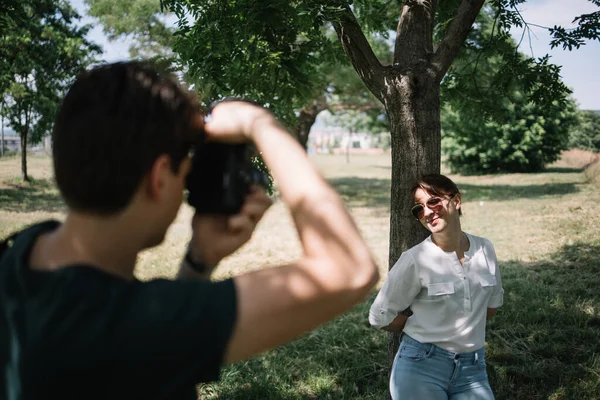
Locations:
{"points": [[236, 121], [214, 237]]}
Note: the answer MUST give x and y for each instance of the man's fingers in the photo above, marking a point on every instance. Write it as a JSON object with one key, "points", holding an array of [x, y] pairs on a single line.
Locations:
{"points": [[230, 120], [258, 195], [255, 209], [239, 223], [209, 223]]}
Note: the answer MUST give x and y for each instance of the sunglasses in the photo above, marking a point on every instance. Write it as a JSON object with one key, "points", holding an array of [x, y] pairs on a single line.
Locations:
{"points": [[433, 203]]}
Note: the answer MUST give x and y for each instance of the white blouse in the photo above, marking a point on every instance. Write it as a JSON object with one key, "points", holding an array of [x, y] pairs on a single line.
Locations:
{"points": [[449, 301]]}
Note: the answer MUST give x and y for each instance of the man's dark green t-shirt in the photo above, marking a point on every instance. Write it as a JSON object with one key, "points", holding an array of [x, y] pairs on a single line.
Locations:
{"points": [[80, 333]]}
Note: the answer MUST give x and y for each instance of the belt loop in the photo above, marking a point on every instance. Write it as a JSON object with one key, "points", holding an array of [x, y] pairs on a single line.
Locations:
{"points": [[476, 358]]}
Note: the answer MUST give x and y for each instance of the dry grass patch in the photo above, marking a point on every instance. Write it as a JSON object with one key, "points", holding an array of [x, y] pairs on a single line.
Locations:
{"points": [[586, 160], [544, 343]]}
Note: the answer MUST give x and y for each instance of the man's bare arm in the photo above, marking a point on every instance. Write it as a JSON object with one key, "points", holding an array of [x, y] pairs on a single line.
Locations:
{"points": [[336, 271]]}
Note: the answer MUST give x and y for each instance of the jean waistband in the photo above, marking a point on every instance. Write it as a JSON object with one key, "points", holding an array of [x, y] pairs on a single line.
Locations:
{"points": [[427, 347]]}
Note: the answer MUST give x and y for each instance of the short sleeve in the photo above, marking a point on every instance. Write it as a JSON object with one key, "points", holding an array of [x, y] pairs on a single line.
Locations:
{"points": [[497, 298], [79, 332], [397, 293]]}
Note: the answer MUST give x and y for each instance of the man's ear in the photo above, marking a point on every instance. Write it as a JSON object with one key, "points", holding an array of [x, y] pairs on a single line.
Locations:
{"points": [[158, 175], [185, 166]]}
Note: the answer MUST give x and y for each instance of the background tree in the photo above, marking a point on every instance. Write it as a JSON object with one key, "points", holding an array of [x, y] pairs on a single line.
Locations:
{"points": [[277, 42], [42, 53], [142, 22], [586, 133], [525, 138], [588, 28], [11, 14], [336, 88], [329, 83], [494, 118], [357, 121]]}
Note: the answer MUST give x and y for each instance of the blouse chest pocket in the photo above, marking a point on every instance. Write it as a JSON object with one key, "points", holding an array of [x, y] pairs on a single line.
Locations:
{"points": [[439, 291], [488, 281]]}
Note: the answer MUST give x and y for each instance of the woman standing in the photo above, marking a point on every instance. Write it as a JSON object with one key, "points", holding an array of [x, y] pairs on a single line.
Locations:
{"points": [[440, 293]]}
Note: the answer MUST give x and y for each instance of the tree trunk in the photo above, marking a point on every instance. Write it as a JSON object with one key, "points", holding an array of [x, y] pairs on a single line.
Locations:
{"points": [[2, 140], [348, 147], [306, 119], [24, 133], [410, 92], [24, 157], [413, 107]]}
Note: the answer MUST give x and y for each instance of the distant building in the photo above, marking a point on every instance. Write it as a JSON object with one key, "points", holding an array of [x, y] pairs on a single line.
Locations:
{"points": [[12, 142], [334, 140]]}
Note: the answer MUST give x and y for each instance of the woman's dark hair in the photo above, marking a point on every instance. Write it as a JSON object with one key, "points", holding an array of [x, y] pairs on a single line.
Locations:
{"points": [[111, 127], [438, 185]]}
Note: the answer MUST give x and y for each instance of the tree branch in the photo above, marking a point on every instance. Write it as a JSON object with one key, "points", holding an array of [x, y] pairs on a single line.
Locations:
{"points": [[414, 35], [353, 107], [358, 49], [457, 33]]}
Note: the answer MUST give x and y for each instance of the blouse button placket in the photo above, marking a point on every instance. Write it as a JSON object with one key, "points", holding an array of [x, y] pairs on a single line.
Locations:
{"points": [[466, 284]]}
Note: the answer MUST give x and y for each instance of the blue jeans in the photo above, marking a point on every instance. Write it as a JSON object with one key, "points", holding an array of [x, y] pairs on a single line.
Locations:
{"points": [[426, 371]]}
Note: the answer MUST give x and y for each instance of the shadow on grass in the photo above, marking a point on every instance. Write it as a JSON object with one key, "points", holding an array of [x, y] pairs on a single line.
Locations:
{"points": [[512, 192], [344, 359], [544, 342], [40, 195], [375, 193], [363, 192], [563, 170]]}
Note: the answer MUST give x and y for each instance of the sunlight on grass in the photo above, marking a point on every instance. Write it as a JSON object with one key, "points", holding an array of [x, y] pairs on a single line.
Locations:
{"points": [[544, 343]]}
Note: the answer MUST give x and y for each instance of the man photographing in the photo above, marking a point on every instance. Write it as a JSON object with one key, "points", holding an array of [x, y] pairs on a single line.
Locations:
{"points": [[75, 323]]}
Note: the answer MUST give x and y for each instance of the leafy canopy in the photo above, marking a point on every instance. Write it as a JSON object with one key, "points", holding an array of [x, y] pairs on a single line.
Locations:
{"points": [[140, 21], [586, 133], [42, 51]]}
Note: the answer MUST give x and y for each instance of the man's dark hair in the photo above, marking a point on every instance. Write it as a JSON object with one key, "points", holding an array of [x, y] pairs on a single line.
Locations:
{"points": [[438, 185], [112, 125]]}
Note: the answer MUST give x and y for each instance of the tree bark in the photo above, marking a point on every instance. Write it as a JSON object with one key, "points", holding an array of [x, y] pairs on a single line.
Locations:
{"points": [[2, 140], [414, 35], [359, 51], [455, 36], [24, 174], [410, 92], [306, 119], [24, 135], [413, 108]]}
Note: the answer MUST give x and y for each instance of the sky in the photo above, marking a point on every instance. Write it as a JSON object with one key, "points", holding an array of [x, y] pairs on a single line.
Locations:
{"points": [[579, 67]]}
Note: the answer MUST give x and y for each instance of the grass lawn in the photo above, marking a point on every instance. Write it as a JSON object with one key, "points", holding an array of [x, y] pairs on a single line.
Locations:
{"points": [[544, 343]]}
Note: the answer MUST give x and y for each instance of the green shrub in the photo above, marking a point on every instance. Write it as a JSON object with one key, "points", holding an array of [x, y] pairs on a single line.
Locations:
{"points": [[586, 134], [523, 137]]}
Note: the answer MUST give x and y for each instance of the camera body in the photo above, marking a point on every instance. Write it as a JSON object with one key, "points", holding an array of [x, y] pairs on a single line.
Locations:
{"points": [[221, 177]]}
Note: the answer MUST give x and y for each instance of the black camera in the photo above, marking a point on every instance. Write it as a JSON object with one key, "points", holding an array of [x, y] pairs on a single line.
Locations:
{"points": [[221, 177]]}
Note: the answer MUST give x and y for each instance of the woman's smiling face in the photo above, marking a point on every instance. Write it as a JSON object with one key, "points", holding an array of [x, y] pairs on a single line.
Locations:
{"points": [[435, 219]]}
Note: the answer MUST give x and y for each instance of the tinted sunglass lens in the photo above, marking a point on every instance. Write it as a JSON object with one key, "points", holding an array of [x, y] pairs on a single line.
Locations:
{"points": [[434, 202], [417, 211]]}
